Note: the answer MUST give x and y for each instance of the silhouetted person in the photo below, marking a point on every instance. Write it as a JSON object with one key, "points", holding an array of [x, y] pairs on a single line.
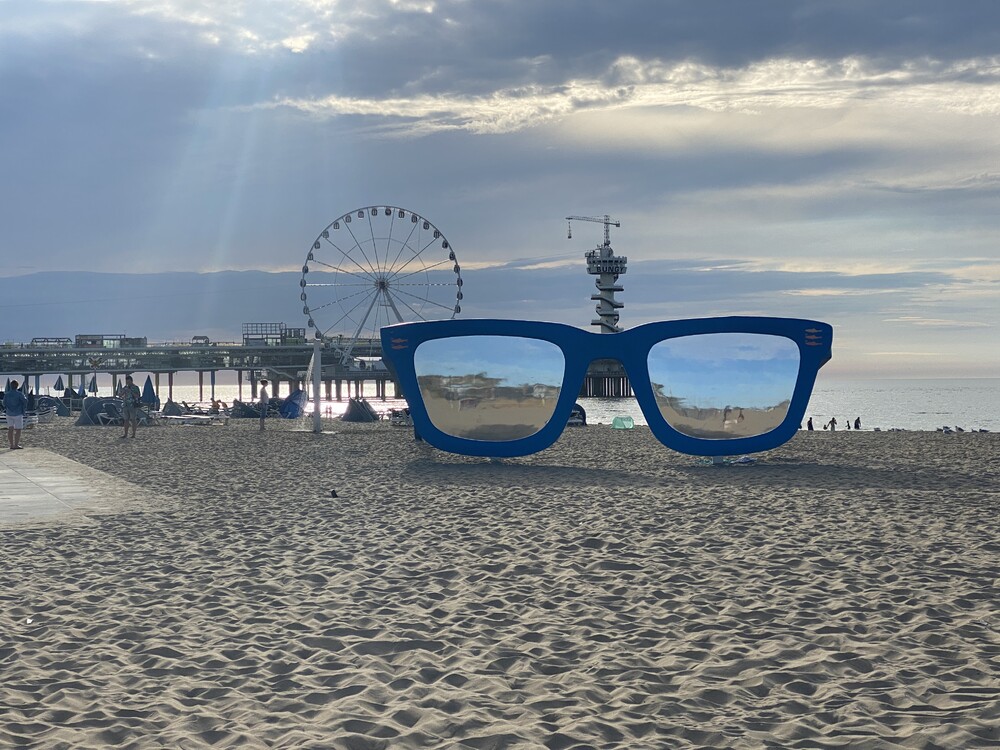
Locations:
{"points": [[130, 396], [809, 424], [833, 424], [857, 423], [15, 404], [263, 403]]}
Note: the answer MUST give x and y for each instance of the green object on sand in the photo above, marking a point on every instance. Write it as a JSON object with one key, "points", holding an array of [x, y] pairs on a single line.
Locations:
{"points": [[623, 423]]}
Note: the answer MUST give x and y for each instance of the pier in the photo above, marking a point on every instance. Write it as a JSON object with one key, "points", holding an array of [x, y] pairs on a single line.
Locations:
{"points": [[280, 363], [606, 378], [275, 361]]}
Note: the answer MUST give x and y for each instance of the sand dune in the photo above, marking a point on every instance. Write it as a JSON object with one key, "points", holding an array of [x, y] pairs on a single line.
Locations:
{"points": [[606, 593]]}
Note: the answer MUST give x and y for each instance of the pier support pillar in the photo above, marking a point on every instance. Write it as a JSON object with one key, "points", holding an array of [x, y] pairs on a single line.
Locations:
{"points": [[170, 386]]}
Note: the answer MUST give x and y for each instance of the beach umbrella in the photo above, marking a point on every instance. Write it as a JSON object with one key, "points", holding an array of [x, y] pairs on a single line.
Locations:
{"points": [[148, 393], [7, 385], [118, 388], [59, 384], [93, 384], [82, 392]]}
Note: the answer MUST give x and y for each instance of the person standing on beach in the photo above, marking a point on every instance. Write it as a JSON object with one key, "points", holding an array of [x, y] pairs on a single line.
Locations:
{"points": [[130, 395], [15, 404], [809, 424], [833, 424], [857, 423], [263, 403]]}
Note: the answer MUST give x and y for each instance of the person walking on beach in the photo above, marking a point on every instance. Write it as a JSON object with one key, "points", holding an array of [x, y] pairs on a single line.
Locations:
{"points": [[130, 395], [15, 404], [263, 403], [809, 424], [857, 423], [833, 424]]}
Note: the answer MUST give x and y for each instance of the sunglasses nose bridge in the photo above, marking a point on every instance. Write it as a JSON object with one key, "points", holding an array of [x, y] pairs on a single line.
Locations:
{"points": [[611, 346], [610, 349]]}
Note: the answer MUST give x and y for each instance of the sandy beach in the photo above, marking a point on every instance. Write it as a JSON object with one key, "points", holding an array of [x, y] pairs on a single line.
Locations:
{"points": [[606, 593]]}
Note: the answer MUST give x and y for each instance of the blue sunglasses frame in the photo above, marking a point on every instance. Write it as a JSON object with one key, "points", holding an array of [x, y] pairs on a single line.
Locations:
{"points": [[631, 348]]}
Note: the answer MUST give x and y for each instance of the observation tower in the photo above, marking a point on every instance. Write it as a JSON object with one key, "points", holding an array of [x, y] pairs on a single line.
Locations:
{"points": [[607, 267]]}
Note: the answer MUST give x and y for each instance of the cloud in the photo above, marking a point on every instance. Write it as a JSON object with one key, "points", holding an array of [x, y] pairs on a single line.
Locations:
{"points": [[905, 354], [967, 86], [501, 112], [937, 322], [714, 31]]}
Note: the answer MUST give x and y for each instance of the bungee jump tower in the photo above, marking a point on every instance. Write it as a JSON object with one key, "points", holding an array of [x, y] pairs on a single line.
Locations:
{"points": [[605, 378], [603, 263]]}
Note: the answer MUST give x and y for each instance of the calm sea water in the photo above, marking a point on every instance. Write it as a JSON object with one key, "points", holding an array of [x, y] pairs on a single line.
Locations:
{"points": [[911, 404], [906, 404]]}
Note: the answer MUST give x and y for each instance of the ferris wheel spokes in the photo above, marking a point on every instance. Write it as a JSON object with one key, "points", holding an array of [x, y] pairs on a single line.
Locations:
{"points": [[386, 275]]}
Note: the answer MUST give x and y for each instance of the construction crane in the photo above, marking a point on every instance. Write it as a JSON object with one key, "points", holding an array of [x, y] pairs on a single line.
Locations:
{"points": [[603, 263], [606, 220]]}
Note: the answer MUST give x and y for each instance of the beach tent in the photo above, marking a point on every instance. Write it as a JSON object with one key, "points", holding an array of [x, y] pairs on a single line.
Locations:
{"points": [[293, 406], [51, 402], [359, 410], [244, 411], [92, 406], [149, 394], [59, 384], [171, 409]]}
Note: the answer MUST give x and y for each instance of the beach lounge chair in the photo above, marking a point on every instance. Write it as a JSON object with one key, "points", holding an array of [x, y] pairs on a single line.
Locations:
{"points": [[400, 418], [112, 414]]}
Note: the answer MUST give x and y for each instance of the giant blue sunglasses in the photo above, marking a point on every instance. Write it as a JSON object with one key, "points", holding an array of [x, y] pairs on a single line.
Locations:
{"points": [[708, 387]]}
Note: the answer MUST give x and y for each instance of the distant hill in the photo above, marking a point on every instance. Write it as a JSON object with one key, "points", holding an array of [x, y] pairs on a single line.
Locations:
{"points": [[161, 307], [176, 306]]}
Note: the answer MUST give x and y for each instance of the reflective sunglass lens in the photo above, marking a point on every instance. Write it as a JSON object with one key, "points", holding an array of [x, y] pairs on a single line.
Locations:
{"points": [[722, 386], [493, 388]]}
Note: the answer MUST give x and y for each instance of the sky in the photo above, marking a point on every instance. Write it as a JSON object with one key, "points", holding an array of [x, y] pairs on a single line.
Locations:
{"points": [[835, 160]]}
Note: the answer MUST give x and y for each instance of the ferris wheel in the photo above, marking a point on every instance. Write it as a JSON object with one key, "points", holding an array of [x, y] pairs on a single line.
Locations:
{"points": [[376, 266]]}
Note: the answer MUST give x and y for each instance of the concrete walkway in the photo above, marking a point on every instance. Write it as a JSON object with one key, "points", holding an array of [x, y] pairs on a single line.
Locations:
{"points": [[36, 484]]}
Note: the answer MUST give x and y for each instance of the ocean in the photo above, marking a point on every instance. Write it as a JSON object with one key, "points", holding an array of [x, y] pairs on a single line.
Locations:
{"points": [[927, 405], [886, 404]]}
